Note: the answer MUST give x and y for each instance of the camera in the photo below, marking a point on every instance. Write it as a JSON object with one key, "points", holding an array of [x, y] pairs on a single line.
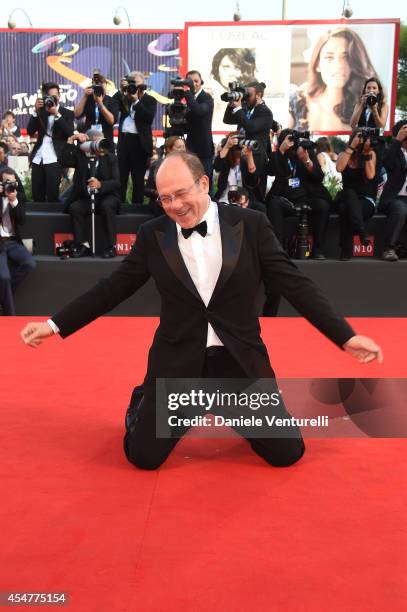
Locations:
{"points": [[9, 186], [373, 134], [94, 146], [67, 250], [132, 87], [177, 110], [246, 142], [50, 101], [301, 139], [235, 93], [97, 86], [372, 99]]}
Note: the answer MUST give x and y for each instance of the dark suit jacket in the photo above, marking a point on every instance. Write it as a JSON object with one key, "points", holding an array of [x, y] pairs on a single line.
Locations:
{"points": [[17, 214], [257, 127], [395, 164], [62, 129], [311, 182], [107, 172], [251, 254], [90, 116], [199, 124], [145, 109]]}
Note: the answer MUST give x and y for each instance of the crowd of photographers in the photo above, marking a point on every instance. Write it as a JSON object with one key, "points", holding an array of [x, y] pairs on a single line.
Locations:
{"points": [[280, 172]]}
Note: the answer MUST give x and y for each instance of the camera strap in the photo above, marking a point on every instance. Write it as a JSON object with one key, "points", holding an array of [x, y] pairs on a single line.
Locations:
{"points": [[97, 113], [292, 166]]}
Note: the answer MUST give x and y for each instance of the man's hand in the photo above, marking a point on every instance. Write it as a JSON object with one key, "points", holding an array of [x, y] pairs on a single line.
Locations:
{"points": [[303, 155], [402, 133], [39, 103], [99, 99], [88, 92], [236, 103], [34, 334], [287, 143], [364, 349], [93, 183]]}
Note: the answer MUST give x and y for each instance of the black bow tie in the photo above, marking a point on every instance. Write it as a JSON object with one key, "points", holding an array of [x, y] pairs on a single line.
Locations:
{"points": [[201, 228]]}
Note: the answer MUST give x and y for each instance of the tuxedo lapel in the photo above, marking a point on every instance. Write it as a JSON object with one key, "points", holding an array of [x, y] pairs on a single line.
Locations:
{"points": [[232, 236], [168, 241]]}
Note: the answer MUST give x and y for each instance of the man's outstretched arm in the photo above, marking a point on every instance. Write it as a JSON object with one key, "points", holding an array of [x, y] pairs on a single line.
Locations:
{"points": [[281, 275], [100, 299]]}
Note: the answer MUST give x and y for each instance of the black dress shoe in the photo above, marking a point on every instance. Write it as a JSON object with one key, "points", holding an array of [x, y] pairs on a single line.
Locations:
{"points": [[345, 256], [109, 253], [83, 251]]}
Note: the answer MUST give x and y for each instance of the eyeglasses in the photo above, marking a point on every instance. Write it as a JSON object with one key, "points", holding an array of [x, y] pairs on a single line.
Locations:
{"points": [[167, 200]]}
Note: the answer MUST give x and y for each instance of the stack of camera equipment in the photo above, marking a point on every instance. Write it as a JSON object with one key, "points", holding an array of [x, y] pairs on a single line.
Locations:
{"points": [[301, 248], [176, 111]]}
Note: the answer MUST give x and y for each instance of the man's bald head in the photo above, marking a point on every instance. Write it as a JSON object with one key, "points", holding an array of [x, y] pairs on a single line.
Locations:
{"points": [[183, 188]]}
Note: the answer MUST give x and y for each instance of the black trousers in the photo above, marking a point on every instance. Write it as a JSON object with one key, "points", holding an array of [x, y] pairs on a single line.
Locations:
{"points": [[106, 206], [45, 182], [145, 450], [278, 209], [396, 211], [15, 264], [132, 159], [353, 209]]}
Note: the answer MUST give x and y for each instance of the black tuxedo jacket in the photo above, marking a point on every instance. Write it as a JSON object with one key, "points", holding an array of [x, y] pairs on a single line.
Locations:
{"points": [[251, 254], [145, 111], [395, 164], [62, 129], [256, 128], [107, 173], [199, 124]]}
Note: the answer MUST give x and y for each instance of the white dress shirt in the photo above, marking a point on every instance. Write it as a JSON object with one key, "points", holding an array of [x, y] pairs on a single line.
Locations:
{"points": [[129, 125], [46, 152], [6, 226], [203, 258]]}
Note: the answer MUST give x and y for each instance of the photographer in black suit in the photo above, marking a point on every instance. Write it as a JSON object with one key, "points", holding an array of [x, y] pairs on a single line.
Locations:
{"points": [[135, 144], [104, 182], [393, 201], [100, 110], [255, 119], [199, 122], [12, 250], [52, 124]]}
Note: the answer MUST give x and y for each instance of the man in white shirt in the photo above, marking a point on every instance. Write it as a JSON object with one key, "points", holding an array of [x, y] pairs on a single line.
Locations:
{"points": [[208, 262], [12, 215], [52, 124]]}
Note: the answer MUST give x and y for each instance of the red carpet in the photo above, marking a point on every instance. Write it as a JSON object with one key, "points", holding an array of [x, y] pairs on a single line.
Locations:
{"points": [[215, 528]]}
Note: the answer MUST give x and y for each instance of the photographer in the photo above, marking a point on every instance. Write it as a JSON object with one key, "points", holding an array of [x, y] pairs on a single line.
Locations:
{"points": [[357, 201], [100, 110], [92, 154], [52, 124], [12, 215], [298, 183], [135, 144], [372, 109], [238, 196], [393, 201], [247, 110], [199, 122], [236, 167]]}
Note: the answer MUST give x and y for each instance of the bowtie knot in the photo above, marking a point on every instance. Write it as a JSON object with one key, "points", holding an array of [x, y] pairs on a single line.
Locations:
{"points": [[201, 228]]}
